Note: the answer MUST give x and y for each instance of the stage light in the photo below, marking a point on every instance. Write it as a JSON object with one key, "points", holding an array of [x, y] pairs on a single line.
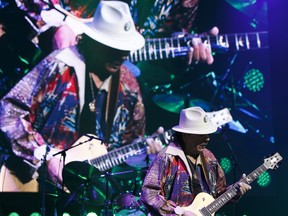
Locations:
{"points": [[264, 179], [13, 214], [66, 214], [226, 165], [91, 214], [35, 214], [254, 80]]}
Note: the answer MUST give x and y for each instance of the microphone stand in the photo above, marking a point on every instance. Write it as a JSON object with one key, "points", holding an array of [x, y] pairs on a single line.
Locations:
{"points": [[107, 201], [235, 164], [224, 78], [43, 182], [63, 155]]}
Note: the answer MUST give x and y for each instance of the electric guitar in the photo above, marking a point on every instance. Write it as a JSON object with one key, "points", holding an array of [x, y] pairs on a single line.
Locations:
{"points": [[165, 48], [91, 150], [169, 47], [205, 205]]}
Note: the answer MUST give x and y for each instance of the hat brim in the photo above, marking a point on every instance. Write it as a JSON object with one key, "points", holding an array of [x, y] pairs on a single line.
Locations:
{"points": [[134, 41], [208, 130]]}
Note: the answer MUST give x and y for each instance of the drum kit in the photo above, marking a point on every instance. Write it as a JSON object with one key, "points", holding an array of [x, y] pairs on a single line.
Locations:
{"points": [[116, 192]]}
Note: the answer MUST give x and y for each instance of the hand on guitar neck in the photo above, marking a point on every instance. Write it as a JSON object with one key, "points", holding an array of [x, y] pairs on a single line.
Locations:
{"points": [[200, 51], [155, 145]]}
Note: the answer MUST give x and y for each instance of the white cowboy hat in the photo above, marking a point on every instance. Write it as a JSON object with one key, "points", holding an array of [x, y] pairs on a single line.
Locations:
{"points": [[194, 120], [113, 26]]}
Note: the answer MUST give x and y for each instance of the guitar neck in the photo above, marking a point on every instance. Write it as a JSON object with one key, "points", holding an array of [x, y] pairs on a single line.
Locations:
{"points": [[232, 192], [119, 155], [165, 48]]}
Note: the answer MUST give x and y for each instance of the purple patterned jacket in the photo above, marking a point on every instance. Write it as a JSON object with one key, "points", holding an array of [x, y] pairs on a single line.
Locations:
{"points": [[168, 182], [44, 107]]}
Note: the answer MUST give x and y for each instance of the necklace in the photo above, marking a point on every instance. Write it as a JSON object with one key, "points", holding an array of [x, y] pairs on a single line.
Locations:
{"points": [[192, 166], [92, 104]]}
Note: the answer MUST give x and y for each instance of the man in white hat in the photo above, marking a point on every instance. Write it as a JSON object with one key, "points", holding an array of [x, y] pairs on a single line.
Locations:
{"points": [[186, 168], [79, 90]]}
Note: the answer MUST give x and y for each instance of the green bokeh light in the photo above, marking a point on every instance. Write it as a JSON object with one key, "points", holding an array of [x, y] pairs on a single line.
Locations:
{"points": [[254, 80], [226, 165], [91, 214], [13, 214], [35, 214], [264, 179]]}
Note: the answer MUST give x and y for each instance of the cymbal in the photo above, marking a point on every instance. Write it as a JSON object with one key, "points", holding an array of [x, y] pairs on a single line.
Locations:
{"points": [[85, 182], [141, 161], [125, 172], [172, 103], [175, 103]]}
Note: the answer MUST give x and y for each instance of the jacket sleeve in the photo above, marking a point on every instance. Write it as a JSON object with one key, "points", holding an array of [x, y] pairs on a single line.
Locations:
{"points": [[152, 194], [18, 108]]}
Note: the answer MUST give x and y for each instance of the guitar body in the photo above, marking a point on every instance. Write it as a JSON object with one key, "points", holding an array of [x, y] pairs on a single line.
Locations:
{"points": [[85, 149], [200, 201]]}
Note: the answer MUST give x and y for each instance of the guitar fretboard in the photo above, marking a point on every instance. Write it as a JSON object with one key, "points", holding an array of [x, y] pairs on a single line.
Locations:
{"points": [[119, 156], [164, 48], [232, 192]]}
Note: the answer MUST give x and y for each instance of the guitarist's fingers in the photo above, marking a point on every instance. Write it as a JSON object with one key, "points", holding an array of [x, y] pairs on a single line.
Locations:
{"points": [[190, 55], [154, 146], [209, 56], [214, 31], [196, 52], [243, 187]]}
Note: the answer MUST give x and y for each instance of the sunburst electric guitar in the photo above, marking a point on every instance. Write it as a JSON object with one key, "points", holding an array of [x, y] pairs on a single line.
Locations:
{"points": [[205, 205]]}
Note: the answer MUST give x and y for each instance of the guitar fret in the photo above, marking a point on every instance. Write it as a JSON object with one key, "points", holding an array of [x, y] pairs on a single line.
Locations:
{"points": [[217, 40], [178, 44], [140, 54], [258, 40], [160, 46], [227, 41], [236, 42], [167, 48], [173, 52], [154, 50], [247, 41]]}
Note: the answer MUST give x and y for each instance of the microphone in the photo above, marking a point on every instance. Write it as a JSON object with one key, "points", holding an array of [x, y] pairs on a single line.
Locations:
{"points": [[92, 136]]}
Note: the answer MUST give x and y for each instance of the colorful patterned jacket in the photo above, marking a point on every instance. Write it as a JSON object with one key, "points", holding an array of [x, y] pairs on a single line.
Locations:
{"points": [[168, 182], [45, 106]]}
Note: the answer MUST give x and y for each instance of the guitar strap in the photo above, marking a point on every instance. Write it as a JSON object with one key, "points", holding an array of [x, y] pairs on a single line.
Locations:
{"points": [[208, 177], [111, 104]]}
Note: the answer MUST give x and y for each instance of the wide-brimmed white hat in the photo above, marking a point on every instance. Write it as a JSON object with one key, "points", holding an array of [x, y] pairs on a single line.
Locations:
{"points": [[194, 120], [113, 26]]}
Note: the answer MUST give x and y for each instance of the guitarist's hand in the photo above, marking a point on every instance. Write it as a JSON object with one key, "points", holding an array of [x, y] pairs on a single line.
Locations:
{"points": [[243, 187], [201, 51], [154, 146]]}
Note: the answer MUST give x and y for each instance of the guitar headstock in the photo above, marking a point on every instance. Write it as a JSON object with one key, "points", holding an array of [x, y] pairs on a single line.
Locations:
{"points": [[220, 117], [272, 161]]}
